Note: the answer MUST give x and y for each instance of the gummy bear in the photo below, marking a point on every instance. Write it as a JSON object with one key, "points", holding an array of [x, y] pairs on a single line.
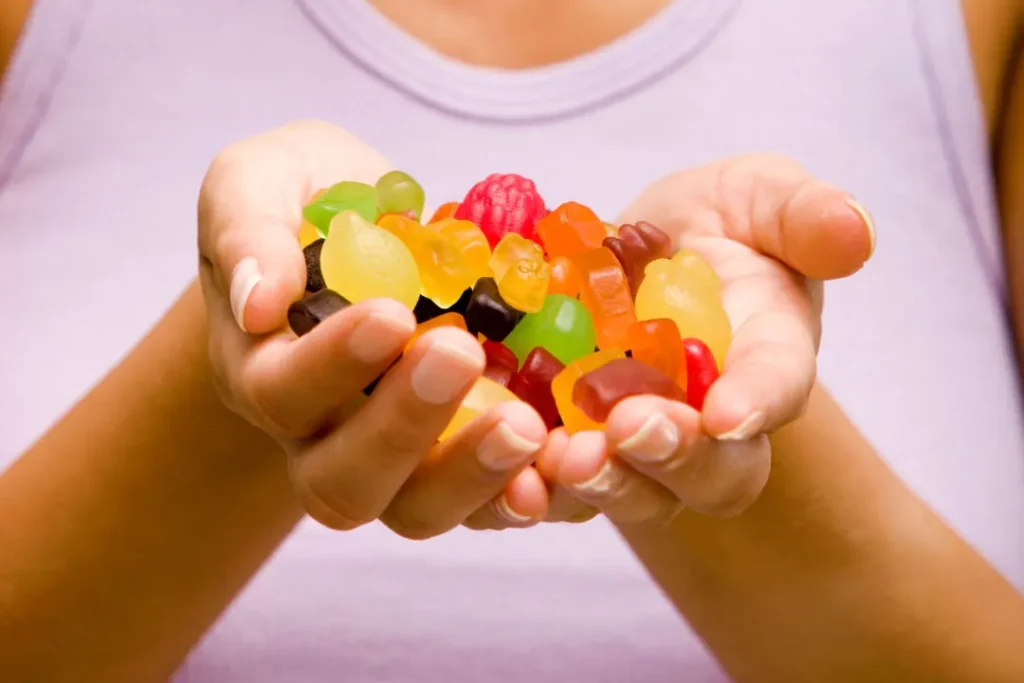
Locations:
{"points": [[502, 364], [344, 196], [446, 320], [701, 371], [521, 272], [446, 210], [484, 395], [306, 314], [533, 384], [398, 192], [605, 292], [502, 204], [671, 289], [444, 273], [574, 419], [598, 391], [314, 278], [489, 314], [565, 277], [360, 260], [637, 245], [563, 326], [470, 242], [657, 343], [570, 229]]}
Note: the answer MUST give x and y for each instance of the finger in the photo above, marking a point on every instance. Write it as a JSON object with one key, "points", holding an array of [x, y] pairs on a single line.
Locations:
{"points": [[523, 503], [663, 440], [590, 473], [467, 471], [300, 385], [564, 507], [349, 477], [769, 371], [770, 204], [250, 209]]}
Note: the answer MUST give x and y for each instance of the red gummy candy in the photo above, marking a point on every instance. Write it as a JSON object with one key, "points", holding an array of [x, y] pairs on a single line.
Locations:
{"points": [[533, 384], [502, 364], [701, 371], [504, 203]]}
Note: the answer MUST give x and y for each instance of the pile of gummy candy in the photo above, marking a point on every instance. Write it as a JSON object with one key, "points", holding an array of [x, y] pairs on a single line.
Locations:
{"points": [[574, 314]]}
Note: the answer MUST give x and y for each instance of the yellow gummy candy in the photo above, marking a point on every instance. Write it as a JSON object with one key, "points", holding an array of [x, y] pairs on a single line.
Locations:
{"points": [[484, 395], [307, 234], [683, 292], [471, 243], [361, 261], [444, 271], [522, 274]]}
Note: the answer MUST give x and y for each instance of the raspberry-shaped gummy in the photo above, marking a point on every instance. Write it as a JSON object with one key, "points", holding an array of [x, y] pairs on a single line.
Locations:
{"points": [[503, 203]]}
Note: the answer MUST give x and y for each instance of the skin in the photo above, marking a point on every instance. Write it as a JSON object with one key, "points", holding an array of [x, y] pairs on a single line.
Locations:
{"points": [[806, 540]]}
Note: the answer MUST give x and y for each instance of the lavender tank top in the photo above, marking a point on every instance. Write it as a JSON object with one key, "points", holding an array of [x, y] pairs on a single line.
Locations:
{"points": [[113, 108]]}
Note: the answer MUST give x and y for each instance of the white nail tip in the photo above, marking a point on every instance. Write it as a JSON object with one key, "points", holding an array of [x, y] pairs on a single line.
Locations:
{"points": [[869, 221], [608, 478], [657, 439], [746, 429], [505, 512], [243, 280], [503, 449]]}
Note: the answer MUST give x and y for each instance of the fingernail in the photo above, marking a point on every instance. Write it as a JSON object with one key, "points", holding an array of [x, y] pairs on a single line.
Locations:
{"points": [[656, 440], [243, 280], [868, 221], [379, 336], [444, 371], [503, 449], [504, 511], [607, 478], [746, 429]]}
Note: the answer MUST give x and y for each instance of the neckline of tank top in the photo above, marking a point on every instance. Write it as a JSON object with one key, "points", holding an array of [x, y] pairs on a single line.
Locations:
{"points": [[666, 42]]}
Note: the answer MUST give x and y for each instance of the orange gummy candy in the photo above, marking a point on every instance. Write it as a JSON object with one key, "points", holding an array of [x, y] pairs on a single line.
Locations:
{"points": [[565, 277], [444, 211], [574, 419], [604, 290], [657, 343], [570, 229], [445, 320]]}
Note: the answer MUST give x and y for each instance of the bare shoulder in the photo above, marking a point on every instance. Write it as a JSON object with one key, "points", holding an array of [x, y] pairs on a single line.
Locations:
{"points": [[993, 27], [13, 14]]}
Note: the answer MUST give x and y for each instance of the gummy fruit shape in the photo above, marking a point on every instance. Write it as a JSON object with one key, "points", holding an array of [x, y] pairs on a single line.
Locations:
{"points": [[444, 272], [360, 261], [570, 229], [501, 362], [344, 196], [398, 192], [563, 327], [533, 384], [637, 245], [503, 203], [701, 371], [605, 292], [598, 391], [658, 344], [484, 395], [565, 277], [574, 419], [521, 272]]}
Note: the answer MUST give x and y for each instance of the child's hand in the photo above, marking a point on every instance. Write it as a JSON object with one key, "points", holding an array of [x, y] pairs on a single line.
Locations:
{"points": [[352, 460], [772, 233]]}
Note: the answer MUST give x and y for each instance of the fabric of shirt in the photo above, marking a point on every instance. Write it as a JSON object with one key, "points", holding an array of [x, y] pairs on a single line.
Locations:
{"points": [[112, 110]]}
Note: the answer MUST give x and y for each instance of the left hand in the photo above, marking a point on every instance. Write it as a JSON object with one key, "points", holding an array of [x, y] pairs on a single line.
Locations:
{"points": [[772, 233]]}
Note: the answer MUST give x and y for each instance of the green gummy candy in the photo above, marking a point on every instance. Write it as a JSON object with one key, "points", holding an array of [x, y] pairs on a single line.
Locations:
{"points": [[563, 326], [398, 192], [345, 196]]}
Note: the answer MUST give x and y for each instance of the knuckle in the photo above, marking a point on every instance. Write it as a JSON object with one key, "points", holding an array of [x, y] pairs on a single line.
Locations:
{"points": [[409, 525], [332, 510]]}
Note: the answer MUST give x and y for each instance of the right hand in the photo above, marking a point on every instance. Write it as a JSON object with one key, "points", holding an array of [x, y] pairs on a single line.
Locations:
{"points": [[352, 460]]}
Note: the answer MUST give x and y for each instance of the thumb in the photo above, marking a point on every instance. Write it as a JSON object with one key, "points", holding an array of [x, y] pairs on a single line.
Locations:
{"points": [[250, 211]]}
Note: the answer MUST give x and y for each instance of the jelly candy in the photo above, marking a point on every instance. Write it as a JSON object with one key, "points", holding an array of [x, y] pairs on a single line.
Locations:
{"points": [[398, 192], [671, 289], [488, 314], [308, 234], [306, 314], [657, 343], [360, 260], [521, 272], [610, 229], [574, 419], [426, 309], [637, 245], [471, 243], [570, 229], [314, 278], [501, 204], [444, 273], [563, 326], [484, 395], [444, 211], [446, 320], [533, 384], [598, 391], [605, 292], [701, 371], [501, 363], [344, 196], [565, 277], [697, 271]]}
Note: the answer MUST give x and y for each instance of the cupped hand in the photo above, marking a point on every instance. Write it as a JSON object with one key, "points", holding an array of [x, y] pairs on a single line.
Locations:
{"points": [[352, 460], [773, 233]]}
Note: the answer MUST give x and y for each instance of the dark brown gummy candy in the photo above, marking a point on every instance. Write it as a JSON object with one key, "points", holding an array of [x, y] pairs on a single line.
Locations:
{"points": [[306, 314], [314, 278], [488, 314], [427, 310]]}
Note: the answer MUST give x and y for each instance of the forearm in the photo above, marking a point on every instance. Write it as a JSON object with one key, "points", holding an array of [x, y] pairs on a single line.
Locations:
{"points": [[131, 525], [838, 573]]}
